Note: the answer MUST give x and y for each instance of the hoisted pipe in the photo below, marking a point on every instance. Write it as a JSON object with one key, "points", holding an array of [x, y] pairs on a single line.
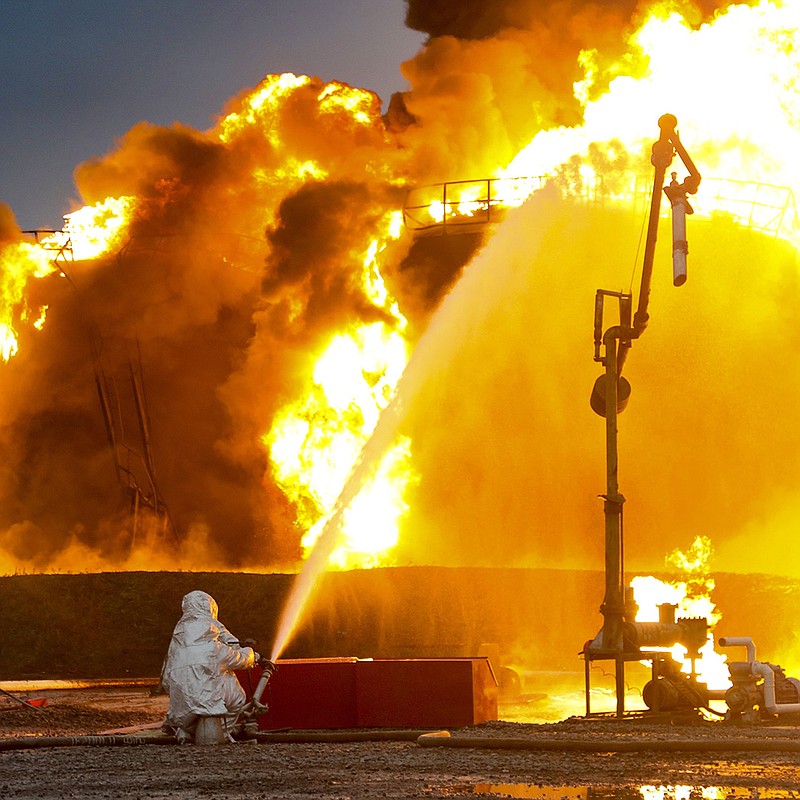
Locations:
{"points": [[663, 151], [606, 397], [617, 341], [661, 158]]}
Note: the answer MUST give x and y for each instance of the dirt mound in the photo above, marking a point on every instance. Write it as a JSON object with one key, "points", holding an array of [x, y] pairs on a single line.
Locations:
{"points": [[118, 625]]}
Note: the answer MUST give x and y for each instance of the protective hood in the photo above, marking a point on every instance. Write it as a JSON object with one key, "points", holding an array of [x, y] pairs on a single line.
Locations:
{"points": [[199, 604]]}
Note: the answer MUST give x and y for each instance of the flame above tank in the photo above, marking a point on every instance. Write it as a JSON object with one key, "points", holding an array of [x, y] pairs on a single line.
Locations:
{"points": [[259, 273]]}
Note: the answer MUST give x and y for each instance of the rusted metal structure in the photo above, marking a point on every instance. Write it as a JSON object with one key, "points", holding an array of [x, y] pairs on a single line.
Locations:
{"points": [[127, 420], [123, 404], [464, 206]]}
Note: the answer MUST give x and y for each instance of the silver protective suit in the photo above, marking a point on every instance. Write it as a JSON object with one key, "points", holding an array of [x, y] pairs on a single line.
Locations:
{"points": [[198, 672]]}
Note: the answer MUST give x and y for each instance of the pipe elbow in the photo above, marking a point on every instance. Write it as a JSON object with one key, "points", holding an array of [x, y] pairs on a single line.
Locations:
{"points": [[740, 641], [765, 671]]}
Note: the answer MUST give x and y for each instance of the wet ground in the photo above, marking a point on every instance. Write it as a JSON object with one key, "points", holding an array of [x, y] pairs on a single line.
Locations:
{"points": [[502, 759]]}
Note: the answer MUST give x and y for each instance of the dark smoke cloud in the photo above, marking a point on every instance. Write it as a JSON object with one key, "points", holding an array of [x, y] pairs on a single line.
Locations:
{"points": [[430, 269], [491, 75], [475, 19], [238, 266], [226, 245], [9, 230], [148, 161], [317, 228]]}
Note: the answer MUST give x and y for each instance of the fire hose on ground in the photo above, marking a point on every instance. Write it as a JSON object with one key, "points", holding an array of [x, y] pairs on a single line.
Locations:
{"points": [[272, 737], [444, 739], [35, 742], [440, 739]]}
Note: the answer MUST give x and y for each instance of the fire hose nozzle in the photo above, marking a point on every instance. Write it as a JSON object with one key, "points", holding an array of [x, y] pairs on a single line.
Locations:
{"points": [[256, 707]]}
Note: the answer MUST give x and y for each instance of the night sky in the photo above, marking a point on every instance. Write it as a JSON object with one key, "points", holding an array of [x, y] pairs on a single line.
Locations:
{"points": [[77, 75]]}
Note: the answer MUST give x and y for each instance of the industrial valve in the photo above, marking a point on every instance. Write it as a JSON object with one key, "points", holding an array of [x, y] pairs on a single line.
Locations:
{"points": [[671, 689], [759, 690], [744, 695]]}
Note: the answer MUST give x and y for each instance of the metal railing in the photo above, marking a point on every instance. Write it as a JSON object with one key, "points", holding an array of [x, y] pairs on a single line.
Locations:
{"points": [[469, 206], [463, 206]]}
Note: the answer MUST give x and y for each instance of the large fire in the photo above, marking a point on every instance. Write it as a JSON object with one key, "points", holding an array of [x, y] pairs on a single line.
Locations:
{"points": [[256, 279], [314, 442], [691, 596]]}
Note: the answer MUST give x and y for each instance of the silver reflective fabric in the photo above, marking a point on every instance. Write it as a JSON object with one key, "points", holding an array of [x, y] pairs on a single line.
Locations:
{"points": [[198, 672]]}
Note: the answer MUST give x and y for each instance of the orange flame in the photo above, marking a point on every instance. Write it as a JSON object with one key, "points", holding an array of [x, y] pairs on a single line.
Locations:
{"points": [[92, 231], [732, 84], [20, 263], [315, 441], [692, 596], [88, 233]]}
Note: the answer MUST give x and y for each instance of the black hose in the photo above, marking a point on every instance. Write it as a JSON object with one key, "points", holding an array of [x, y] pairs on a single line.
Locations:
{"points": [[306, 737], [262, 737], [31, 742], [609, 746]]}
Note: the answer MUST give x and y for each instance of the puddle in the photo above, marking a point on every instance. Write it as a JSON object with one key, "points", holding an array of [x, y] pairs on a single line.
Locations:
{"points": [[534, 792]]}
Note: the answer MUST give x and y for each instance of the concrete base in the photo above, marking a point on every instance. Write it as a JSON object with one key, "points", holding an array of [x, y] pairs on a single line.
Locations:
{"points": [[209, 730]]}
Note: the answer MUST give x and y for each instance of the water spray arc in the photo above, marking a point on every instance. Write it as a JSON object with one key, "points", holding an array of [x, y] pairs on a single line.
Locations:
{"points": [[620, 638]]}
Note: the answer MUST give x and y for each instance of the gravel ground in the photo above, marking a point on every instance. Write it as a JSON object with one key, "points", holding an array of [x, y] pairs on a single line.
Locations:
{"points": [[383, 769]]}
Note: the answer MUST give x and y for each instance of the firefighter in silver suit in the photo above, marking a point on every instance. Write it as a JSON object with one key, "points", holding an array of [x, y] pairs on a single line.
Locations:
{"points": [[199, 669]]}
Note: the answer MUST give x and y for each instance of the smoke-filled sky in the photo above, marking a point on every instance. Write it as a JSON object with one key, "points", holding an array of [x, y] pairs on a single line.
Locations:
{"points": [[77, 75], [258, 228]]}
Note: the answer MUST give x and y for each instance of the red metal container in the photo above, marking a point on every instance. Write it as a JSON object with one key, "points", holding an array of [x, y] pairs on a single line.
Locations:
{"points": [[367, 693]]}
